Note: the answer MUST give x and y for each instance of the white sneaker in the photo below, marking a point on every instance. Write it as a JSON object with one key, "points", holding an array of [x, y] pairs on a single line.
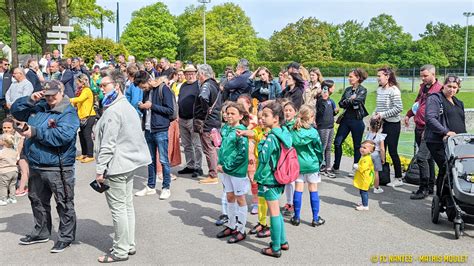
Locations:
{"points": [[396, 183], [362, 208], [378, 190], [354, 168], [173, 177], [165, 194], [3, 202], [11, 200], [146, 191]]}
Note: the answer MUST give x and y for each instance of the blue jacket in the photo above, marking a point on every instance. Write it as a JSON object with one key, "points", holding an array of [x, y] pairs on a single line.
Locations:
{"points": [[53, 131], [274, 90], [67, 78], [237, 86], [161, 109], [134, 95]]}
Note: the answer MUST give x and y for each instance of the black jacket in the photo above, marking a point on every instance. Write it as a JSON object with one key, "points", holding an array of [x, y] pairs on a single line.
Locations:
{"points": [[237, 86], [161, 109], [208, 94], [295, 95], [7, 81], [33, 78], [353, 107]]}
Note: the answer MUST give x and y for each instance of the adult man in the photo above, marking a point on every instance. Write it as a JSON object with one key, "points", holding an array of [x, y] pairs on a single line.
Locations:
{"points": [[425, 163], [120, 61], [31, 74], [67, 78], [56, 56], [157, 108], [20, 87], [77, 69], [98, 60], [54, 73], [239, 85], [166, 68], [178, 64], [51, 150], [131, 59], [207, 110], [189, 139], [5, 82], [150, 69]]}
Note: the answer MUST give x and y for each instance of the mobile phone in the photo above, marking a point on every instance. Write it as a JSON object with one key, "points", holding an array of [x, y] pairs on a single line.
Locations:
{"points": [[17, 126]]}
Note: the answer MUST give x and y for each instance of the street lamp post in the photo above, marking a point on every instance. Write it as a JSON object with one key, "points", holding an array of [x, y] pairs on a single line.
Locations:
{"points": [[467, 14], [204, 2]]}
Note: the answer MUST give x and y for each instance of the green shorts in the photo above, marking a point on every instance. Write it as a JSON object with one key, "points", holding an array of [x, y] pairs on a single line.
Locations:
{"points": [[270, 193]]}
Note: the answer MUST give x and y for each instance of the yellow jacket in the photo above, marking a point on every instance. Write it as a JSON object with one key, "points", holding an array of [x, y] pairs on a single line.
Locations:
{"points": [[84, 103], [364, 176]]}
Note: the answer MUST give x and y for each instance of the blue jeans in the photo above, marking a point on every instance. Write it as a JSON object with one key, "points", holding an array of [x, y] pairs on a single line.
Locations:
{"points": [[356, 128], [158, 140], [364, 194]]}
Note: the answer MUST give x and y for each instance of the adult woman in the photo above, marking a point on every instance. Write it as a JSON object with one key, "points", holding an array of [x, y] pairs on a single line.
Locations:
{"points": [[294, 89], [133, 93], [84, 102], [266, 88], [314, 87], [352, 101], [444, 118], [120, 152], [388, 108]]}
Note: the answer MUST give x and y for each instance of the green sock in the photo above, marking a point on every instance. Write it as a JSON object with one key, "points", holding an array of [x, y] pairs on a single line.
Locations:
{"points": [[275, 229], [283, 232]]}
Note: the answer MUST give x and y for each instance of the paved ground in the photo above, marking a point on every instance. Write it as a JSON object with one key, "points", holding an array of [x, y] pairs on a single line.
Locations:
{"points": [[181, 230]]}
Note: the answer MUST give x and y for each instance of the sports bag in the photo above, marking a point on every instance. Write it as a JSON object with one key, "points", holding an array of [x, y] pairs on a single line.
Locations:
{"points": [[287, 169]]}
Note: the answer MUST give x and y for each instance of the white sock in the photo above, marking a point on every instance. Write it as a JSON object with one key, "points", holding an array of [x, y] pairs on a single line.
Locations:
{"points": [[224, 203], [231, 212], [242, 218], [289, 192]]}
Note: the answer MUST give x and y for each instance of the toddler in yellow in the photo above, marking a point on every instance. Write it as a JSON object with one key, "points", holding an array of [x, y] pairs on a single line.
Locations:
{"points": [[364, 175]]}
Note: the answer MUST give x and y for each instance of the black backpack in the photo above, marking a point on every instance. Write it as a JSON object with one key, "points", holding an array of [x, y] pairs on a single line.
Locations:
{"points": [[384, 175], [173, 116]]}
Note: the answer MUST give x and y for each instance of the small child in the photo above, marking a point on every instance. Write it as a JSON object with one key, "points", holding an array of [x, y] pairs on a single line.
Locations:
{"points": [[233, 164], [223, 218], [326, 109], [378, 156], [290, 111], [307, 144], [8, 170], [364, 175], [18, 142]]}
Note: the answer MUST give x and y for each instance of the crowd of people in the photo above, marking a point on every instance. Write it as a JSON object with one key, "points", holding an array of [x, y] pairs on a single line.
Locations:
{"points": [[242, 124]]}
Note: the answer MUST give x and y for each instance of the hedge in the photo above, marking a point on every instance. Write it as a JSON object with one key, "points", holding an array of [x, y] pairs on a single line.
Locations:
{"points": [[86, 48]]}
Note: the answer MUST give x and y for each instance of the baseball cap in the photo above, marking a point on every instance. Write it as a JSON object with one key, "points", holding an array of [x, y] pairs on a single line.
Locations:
{"points": [[52, 87]]}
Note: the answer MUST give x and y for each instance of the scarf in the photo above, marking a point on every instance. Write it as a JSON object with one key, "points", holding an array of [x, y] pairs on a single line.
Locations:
{"points": [[109, 98]]}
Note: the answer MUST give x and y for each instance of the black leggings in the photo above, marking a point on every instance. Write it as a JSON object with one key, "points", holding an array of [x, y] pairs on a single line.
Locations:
{"points": [[393, 134], [85, 137]]}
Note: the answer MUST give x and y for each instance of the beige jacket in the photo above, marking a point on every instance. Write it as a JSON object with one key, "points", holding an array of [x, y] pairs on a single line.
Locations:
{"points": [[8, 159], [310, 94]]}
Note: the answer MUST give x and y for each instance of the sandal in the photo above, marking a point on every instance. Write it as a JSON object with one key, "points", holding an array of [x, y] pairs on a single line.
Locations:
{"points": [[226, 232], [284, 246], [259, 227], [107, 257], [271, 252], [237, 238], [130, 252], [264, 233]]}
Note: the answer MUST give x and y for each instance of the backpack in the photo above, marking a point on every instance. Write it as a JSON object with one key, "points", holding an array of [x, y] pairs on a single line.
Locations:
{"points": [[173, 116], [384, 175], [287, 169], [412, 175]]}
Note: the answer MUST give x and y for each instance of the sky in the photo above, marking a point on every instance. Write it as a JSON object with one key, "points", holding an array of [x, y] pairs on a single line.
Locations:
{"points": [[268, 16]]}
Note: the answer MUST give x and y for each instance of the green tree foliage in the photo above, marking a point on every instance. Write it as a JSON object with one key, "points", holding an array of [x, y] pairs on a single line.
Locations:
{"points": [[151, 33], [87, 48], [307, 39], [352, 35], [229, 33], [423, 52], [263, 49]]}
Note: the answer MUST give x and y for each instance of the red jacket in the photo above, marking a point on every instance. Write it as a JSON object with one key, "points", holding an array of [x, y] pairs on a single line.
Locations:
{"points": [[421, 99]]}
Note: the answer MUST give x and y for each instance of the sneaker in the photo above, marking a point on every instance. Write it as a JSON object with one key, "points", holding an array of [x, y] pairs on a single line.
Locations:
{"points": [[396, 183], [60, 246], [222, 220], [173, 177], [318, 222], [80, 157], [209, 181], [165, 194], [186, 170], [4, 202], [28, 240], [11, 200], [330, 173], [87, 160], [378, 190], [288, 210], [362, 208], [420, 194], [254, 209], [295, 221], [354, 168], [21, 193], [197, 172], [146, 191]]}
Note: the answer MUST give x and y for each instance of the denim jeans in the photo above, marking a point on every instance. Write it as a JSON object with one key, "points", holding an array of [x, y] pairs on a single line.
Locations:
{"points": [[364, 194], [158, 140], [356, 128]]}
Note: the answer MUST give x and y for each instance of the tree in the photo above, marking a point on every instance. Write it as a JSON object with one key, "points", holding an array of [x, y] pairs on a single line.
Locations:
{"points": [[12, 10], [305, 40], [87, 48], [229, 33], [151, 33], [424, 52], [352, 35], [263, 49]]}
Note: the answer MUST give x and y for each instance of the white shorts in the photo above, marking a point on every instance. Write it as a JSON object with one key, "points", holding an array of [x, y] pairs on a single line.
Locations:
{"points": [[312, 178], [238, 185]]}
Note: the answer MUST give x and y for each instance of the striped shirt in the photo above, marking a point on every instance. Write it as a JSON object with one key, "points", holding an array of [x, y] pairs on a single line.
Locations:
{"points": [[389, 103]]}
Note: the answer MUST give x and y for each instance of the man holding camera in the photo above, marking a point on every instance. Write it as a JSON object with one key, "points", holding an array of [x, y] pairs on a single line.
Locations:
{"points": [[50, 147]]}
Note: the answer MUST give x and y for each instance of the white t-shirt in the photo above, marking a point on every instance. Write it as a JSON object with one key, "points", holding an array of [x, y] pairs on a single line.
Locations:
{"points": [[377, 138]]}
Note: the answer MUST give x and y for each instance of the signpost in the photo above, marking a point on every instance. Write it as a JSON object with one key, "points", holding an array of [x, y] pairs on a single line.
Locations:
{"points": [[59, 32]]}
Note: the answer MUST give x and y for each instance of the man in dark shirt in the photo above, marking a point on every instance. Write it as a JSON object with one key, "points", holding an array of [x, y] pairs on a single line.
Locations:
{"points": [[166, 68], [239, 85], [189, 139]]}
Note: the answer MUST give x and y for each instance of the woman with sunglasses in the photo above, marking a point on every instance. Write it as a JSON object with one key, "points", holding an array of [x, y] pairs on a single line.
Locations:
{"points": [[444, 118]]}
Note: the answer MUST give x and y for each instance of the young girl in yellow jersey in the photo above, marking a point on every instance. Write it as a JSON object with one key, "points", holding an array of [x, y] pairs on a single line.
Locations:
{"points": [[364, 175]]}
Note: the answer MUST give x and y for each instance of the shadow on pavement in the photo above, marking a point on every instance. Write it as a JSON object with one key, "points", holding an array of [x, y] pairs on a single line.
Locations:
{"points": [[92, 233], [19, 224]]}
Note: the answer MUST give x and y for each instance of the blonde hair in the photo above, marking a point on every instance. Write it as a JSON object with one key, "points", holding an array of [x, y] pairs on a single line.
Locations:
{"points": [[370, 143], [305, 117], [304, 73], [7, 140]]}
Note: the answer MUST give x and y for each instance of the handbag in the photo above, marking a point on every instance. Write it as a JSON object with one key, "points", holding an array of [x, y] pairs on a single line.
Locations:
{"points": [[340, 117], [198, 124]]}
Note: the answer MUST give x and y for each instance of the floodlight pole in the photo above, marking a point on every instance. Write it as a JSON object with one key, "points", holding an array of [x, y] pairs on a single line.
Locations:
{"points": [[467, 15], [204, 2]]}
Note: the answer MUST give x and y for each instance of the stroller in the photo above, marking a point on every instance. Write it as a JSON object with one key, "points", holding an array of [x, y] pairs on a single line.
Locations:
{"points": [[457, 190]]}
